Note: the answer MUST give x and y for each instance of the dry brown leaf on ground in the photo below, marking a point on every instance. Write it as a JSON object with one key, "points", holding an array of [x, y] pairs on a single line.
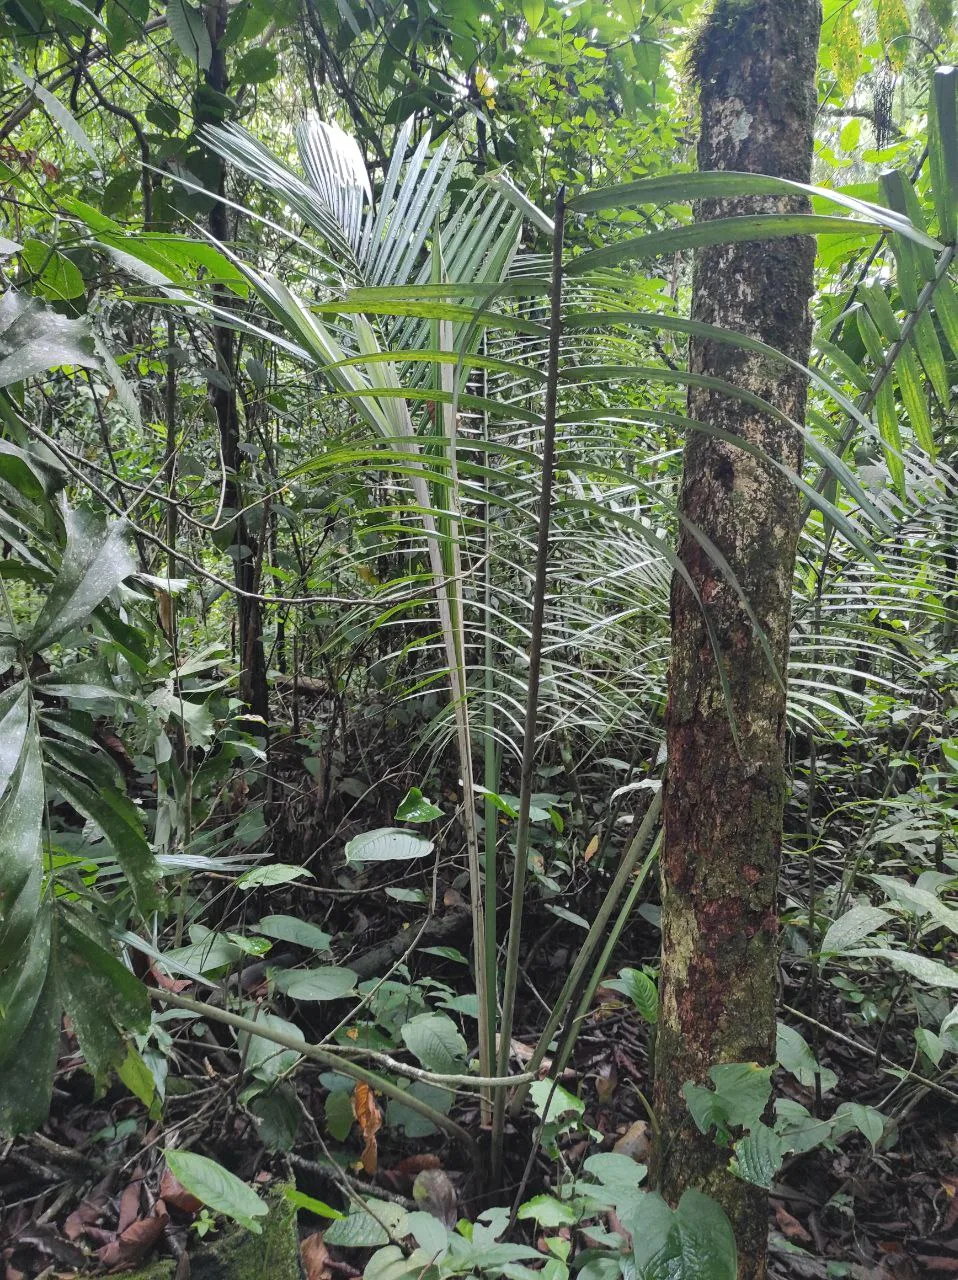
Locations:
{"points": [[133, 1245], [315, 1257], [129, 1210], [790, 1227], [635, 1142], [175, 1194], [370, 1120]]}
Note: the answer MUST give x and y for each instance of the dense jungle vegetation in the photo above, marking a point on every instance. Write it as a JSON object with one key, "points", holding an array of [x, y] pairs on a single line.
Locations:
{"points": [[478, 651]]}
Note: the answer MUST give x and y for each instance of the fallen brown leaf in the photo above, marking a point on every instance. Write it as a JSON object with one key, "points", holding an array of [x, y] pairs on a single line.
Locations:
{"points": [[129, 1209], [175, 1194], [369, 1118], [412, 1165], [315, 1257], [136, 1241], [791, 1228], [634, 1142]]}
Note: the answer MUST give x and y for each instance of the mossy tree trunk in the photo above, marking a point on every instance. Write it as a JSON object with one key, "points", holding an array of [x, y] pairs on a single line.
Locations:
{"points": [[755, 64]]}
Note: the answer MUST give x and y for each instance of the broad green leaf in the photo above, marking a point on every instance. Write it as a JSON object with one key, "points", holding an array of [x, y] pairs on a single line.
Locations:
{"points": [[435, 1040], [217, 1188], [361, 1230], [338, 1111], [207, 952], [138, 1078], [920, 902], [796, 1057], [387, 844], [35, 338], [96, 560], [931, 972], [291, 929], [265, 1058], [932, 1046], [547, 1211], [640, 989], [758, 1156], [57, 277], [330, 982], [188, 28], [692, 1242], [277, 1112], [552, 1101], [853, 1115], [414, 807], [741, 1093], [850, 928], [256, 66], [275, 873]]}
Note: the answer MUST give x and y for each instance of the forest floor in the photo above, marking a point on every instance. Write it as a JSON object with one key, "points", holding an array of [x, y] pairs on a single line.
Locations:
{"points": [[90, 1193]]}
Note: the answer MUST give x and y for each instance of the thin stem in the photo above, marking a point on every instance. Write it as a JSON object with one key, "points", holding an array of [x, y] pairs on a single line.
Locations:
{"points": [[532, 699], [328, 1059], [592, 940]]}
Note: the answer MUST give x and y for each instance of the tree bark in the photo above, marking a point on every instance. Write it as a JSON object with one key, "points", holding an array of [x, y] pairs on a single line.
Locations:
{"points": [[253, 687], [755, 64]]}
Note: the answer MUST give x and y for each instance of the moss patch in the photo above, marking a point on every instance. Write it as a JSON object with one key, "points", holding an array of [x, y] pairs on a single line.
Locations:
{"points": [[236, 1254]]}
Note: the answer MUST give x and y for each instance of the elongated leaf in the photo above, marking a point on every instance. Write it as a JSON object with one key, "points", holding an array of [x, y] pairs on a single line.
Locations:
{"points": [[103, 998], [714, 231], [26, 1083], [849, 929], [329, 982], [931, 972], [292, 929], [388, 844], [683, 188], [188, 28], [218, 1188], [64, 118], [119, 821], [96, 560], [21, 842], [21, 984], [943, 148]]}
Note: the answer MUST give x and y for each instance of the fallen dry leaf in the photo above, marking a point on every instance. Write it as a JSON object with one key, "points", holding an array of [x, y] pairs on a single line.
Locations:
{"points": [[412, 1165], [175, 1194], [790, 1227], [634, 1142], [129, 1209], [136, 1241], [315, 1257], [591, 849], [370, 1120]]}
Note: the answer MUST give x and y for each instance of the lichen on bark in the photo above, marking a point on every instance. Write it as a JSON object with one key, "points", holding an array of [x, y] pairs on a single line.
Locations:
{"points": [[754, 62]]}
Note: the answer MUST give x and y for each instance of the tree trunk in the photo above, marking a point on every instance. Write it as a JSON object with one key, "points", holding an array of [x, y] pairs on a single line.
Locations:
{"points": [[253, 687], [755, 63]]}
